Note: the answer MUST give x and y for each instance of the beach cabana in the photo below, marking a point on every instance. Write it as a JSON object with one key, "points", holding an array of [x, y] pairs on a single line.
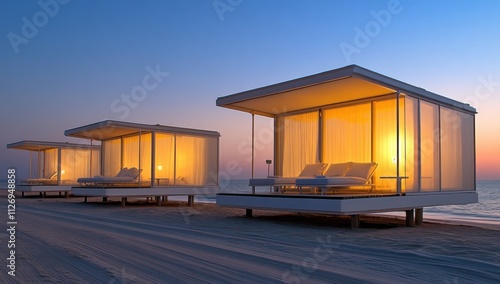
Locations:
{"points": [[418, 146], [55, 166], [165, 160]]}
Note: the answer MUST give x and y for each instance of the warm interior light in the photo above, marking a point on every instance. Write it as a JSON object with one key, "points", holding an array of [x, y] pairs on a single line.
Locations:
{"points": [[62, 172], [394, 160], [160, 168]]}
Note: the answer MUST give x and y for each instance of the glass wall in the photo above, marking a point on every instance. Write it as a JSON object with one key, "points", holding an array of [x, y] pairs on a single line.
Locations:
{"points": [[178, 159], [457, 150], [436, 146], [50, 162], [298, 142], [165, 158], [195, 160], [75, 163], [429, 147], [112, 157], [348, 123]]}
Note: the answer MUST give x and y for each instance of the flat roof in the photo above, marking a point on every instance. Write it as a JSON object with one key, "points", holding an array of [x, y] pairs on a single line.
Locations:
{"points": [[349, 83], [108, 129], [44, 145]]}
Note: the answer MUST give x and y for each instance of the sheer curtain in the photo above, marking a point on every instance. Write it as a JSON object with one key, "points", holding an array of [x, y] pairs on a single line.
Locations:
{"points": [[191, 160], [457, 154], [298, 142], [50, 162], [409, 143], [112, 157], [347, 134], [429, 147], [384, 142], [131, 154], [164, 152]]}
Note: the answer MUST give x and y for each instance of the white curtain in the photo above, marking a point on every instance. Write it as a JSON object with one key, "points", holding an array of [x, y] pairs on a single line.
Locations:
{"points": [[50, 162], [131, 154], [164, 156], [111, 157], [347, 134], [191, 160], [429, 146], [457, 150], [384, 142], [298, 142]]}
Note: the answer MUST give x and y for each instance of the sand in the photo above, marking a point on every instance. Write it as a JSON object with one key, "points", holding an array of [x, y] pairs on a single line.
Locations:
{"points": [[62, 240]]}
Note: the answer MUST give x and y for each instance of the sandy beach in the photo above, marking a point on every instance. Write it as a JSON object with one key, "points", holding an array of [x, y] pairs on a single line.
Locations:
{"points": [[62, 240]]}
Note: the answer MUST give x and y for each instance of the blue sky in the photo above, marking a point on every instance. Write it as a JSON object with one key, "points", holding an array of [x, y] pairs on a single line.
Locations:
{"points": [[66, 64]]}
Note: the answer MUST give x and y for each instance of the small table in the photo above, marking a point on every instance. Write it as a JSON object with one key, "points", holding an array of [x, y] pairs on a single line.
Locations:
{"points": [[398, 181], [158, 180]]}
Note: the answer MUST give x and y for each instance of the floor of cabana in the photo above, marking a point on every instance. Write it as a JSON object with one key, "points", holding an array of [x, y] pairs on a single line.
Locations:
{"points": [[44, 189], [346, 204], [159, 192]]}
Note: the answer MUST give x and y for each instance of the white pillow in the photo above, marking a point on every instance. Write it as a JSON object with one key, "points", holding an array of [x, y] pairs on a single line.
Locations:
{"points": [[362, 170], [312, 170], [337, 170]]}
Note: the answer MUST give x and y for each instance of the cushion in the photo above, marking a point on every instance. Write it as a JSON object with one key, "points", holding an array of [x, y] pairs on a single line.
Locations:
{"points": [[52, 175], [337, 170], [362, 170], [123, 172], [134, 172], [312, 170]]}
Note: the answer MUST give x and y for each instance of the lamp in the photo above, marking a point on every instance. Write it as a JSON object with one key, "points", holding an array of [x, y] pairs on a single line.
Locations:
{"points": [[160, 168], [268, 162]]}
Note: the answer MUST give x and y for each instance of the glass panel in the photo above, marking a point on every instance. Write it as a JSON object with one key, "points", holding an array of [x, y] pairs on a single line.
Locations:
{"points": [[429, 146], [457, 150], [164, 151], [192, 164], [298, 142], [409, 144], [96, 163], [50, 162], [347, 134], [112, 157], [131, 154], [384, 143]]}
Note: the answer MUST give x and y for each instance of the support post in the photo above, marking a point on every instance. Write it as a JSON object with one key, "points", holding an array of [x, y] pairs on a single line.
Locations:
{"points": [[158, 200], [190, 200], [124, 201], [419, 216], [85, 199], [248, 213], [104, 199], [410, 220], [355, 221]]}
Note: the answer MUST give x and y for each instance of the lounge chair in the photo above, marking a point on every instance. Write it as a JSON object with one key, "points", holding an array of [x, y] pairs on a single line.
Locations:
{"points": [[50, 179], [125, 177], [310, 170], [343, 175]]}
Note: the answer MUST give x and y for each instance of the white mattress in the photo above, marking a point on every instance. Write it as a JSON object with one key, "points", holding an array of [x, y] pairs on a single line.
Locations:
{"points": [[109, 180], [330, 181]]}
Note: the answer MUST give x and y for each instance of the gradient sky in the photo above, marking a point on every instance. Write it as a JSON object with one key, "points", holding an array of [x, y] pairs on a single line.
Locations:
{"points": [[65, 64]]}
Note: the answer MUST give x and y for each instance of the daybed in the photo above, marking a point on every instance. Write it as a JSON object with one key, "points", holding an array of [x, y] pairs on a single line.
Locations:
{"points": [[125, 177], [342, 175], [50, 179], [309, 171]]}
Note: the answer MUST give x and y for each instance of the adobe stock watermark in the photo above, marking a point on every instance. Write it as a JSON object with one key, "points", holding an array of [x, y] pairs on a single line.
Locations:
{"points": [[223, 6], [138, 93], [31, 26], [322, 252], [364, 36]]}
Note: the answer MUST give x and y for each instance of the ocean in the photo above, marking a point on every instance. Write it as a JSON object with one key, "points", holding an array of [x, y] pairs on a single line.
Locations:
{"points": [[487, 210]]}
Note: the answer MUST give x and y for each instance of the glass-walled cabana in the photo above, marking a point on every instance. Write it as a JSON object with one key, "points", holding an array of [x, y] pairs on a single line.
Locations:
{"points": [[165, 156], [422, 143], [58, 163]]}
